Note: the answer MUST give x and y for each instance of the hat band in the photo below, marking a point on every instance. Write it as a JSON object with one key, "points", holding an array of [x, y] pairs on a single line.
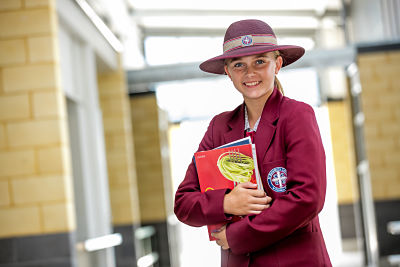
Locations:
{"points": [[249, 40]]}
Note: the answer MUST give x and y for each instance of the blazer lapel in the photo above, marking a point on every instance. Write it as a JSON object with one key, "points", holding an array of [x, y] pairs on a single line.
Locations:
{"points": [[236, 125], [267, 127]]}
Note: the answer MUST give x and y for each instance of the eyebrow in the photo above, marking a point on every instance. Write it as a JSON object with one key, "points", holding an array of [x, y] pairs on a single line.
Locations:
{"points": [[254, 56]]}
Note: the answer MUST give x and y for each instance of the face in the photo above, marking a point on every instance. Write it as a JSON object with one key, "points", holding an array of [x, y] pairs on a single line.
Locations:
{"points": [[254, 76]]}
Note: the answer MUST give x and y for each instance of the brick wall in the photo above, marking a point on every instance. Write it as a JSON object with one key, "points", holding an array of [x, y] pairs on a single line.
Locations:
{"points": [[343, 150], [35, 174], [380, 80], [145, 124], [379, 68], [114, 102]]}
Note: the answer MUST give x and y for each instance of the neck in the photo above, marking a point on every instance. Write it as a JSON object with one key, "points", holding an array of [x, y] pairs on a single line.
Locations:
{"points": [[255, 108]]}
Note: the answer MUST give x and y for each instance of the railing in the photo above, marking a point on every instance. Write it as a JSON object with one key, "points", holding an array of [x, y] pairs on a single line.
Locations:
{"points": [[393, 228], [101, 242], [148, 257]]}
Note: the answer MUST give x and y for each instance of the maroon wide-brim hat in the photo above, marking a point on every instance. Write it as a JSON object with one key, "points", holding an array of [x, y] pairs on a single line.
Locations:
{"points": [[250, 37]]}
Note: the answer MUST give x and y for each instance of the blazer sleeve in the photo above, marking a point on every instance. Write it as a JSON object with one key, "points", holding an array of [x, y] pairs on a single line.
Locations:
{"points": [[193, 207], [305, 192]]}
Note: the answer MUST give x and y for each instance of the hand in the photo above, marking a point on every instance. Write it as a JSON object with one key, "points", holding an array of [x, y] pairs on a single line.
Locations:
{"points": [[220, 235], [245, 199]]}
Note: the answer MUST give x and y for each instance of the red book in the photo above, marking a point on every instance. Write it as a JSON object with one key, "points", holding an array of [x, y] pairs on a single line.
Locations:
{"points": [[225, 167]]}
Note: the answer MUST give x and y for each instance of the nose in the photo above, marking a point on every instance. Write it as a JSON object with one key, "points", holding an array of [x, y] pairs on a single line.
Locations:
{"points": [[250, 70]]}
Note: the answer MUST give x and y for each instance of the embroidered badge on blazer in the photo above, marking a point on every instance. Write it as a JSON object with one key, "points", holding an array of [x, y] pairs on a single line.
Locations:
{"points": [[277, 179]]}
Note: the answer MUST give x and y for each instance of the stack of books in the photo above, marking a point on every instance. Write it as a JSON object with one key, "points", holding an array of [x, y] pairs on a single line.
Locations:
{"points": [[225, 167]]}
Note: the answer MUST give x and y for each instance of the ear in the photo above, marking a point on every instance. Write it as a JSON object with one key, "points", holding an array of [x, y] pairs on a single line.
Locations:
{"points": [[278, 64], [227, 72]]}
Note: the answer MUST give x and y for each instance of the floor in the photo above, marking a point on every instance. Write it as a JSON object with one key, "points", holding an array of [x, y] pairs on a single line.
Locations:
{"points": [[197, 251]]}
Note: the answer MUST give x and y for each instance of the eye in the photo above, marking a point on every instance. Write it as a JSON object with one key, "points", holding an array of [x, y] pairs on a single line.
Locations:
{"points": [[238, 65], [260, 61]]}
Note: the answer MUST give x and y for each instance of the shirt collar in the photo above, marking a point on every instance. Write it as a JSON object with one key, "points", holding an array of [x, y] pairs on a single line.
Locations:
{"points": [[247, 124]]}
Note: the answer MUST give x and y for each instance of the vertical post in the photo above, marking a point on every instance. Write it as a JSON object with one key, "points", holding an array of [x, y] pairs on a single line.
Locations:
{"points": [[366, 203]]}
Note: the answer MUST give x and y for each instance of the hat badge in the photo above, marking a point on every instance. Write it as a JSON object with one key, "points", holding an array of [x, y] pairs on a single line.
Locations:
{"points": [[247, 40]]}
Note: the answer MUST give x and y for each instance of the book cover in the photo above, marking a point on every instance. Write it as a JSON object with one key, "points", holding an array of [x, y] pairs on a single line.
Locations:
{"points": [[225, 167]]}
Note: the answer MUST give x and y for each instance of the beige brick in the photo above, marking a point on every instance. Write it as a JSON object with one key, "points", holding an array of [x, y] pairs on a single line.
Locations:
{"points": [[37, 3], [31, 133], [1, 81], [376, 116], [390, 100], [4, 193], [120, 198], [19, 221], [12, 52], [392, 158], [51, 160], [3, 140], [69, 187], [371, 131], [17, 163], [38, 189], [120, 194], [29, 77], [392, 193], [25, 22], [389, 70], [10, 4], [379, 192], [41, 49], [122, 214], [114, 125], [117, 141], [394, 57], [373, 58], [390, 128], [56, 217], [117, 158], [113, 107], [14, 107], [118, 177], [46, 104]]}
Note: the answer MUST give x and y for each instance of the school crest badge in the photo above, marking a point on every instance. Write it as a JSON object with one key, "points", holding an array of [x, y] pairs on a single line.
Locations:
{"points": [[247, 40], [277, 179]]}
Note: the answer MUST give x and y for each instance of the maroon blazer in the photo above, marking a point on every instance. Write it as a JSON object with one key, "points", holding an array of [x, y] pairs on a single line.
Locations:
{"points": [[288, 233]]}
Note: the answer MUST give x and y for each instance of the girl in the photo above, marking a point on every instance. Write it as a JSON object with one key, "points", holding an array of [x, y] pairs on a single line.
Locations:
{"points": [[281, 226]]}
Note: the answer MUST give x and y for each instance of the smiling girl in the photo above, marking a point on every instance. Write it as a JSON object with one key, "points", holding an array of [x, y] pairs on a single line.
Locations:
{"points": [[280, 225]]}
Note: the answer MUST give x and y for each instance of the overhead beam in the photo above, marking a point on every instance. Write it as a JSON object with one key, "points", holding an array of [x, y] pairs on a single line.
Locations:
{"points": [[143, 80], [138, 13], [179, 31]]}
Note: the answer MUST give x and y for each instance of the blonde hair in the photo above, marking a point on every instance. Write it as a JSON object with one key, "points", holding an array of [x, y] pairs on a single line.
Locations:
{"points": [[277, 82]]}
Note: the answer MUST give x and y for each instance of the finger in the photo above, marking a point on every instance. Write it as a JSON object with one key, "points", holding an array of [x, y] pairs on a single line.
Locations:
{"points": [[249, 185], [258, 200], [222, 228], [216, 235], [254, 212], [258, 193], [257, 207]]}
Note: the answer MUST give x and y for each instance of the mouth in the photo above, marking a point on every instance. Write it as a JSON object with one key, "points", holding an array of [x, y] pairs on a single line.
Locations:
{"points": [[251, 84]]}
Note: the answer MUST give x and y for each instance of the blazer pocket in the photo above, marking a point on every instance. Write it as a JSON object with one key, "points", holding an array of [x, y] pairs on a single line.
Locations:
{"points": [[275, 176]]}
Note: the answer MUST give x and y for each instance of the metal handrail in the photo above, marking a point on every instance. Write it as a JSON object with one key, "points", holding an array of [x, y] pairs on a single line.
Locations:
{"points": [[101, 242], [148, 260]]}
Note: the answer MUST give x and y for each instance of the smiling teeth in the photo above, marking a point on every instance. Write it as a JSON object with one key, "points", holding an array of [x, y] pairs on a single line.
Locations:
{"points": [[251, 84]]}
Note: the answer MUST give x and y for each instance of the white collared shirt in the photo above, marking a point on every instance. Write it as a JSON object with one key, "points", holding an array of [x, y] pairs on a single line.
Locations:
{"points": [[247, 124]]}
